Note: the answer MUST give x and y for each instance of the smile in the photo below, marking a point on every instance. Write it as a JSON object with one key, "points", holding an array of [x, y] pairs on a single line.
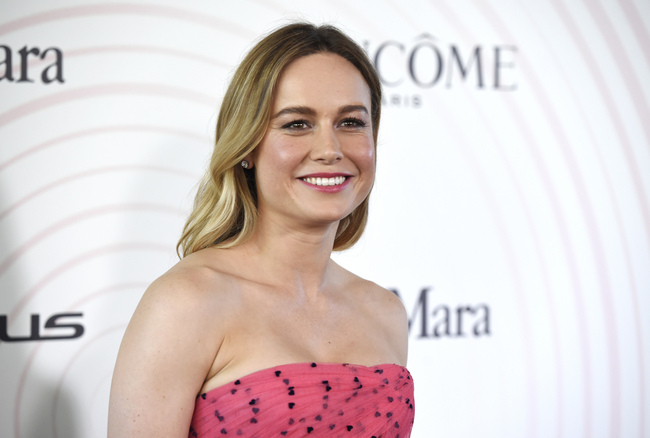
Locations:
{"points": [[334, 181]]}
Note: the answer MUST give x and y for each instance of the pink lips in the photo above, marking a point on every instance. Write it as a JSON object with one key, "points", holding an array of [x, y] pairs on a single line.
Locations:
{"points": [[326, 188]]}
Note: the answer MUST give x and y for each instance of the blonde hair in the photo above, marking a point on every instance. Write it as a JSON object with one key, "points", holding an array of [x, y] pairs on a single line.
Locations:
{"points": [[225, 207]]}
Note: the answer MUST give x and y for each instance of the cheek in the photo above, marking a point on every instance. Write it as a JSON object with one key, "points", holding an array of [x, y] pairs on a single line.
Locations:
{"points": [[366, 157], [279, 154], [276, 163]]}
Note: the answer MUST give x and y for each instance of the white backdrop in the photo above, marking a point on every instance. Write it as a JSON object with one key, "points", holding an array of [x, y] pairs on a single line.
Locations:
{"points": [[511, 210]]}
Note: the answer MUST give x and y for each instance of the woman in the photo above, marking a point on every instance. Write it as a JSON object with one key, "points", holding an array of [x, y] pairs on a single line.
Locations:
{"points": [[256, 319]]}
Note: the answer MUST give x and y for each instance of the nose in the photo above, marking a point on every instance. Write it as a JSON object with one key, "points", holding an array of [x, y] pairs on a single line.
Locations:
{"points": [[327, 148]]}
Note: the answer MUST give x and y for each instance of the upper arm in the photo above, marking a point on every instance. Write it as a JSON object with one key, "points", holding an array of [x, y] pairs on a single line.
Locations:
{"points": [[400, 325], [393, 315], [164, 357]]}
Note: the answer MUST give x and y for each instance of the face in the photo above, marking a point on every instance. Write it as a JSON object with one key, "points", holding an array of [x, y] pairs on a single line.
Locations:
{"points": [[316, 163]]}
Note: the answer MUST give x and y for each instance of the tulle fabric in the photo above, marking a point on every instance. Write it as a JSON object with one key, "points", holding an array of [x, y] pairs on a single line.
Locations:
{"points": [[310, 399]]}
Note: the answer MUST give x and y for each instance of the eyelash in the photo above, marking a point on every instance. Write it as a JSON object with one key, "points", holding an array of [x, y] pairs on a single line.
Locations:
{"points": [[357, 122], [291, 124], [345, 122]]}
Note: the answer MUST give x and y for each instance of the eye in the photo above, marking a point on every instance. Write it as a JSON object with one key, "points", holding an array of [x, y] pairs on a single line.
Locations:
{"points": [[296, 125], [353, 122]]}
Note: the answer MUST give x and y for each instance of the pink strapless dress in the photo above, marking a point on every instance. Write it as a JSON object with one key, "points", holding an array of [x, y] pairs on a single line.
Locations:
{"points": [[310, 399]]}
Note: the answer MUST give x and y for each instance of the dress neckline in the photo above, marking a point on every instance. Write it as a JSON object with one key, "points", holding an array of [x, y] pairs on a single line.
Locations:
{"points": [[282, 367]]}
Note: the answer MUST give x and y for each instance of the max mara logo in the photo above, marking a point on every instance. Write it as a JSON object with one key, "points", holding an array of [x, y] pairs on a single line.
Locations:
{"points": [[50, 72], [435, 320]]}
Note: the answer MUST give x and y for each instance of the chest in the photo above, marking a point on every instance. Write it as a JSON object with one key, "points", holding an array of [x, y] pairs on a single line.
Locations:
{"points": [[334, 329]]}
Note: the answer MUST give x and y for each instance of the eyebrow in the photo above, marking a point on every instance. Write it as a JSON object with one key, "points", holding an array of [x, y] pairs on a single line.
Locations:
{"points": [[305, 110]]}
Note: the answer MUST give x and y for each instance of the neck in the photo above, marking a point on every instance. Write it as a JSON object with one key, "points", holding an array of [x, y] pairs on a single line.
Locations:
{"points": [[298, 260]]}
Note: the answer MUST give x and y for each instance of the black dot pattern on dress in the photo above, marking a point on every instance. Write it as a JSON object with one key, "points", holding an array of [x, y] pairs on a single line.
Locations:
{"points": [[315, 399]]}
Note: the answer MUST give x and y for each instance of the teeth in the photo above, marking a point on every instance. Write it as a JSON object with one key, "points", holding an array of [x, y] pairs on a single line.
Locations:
{"points": [[335, 181]]}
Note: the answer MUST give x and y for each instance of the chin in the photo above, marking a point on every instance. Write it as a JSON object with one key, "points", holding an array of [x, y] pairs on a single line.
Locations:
{"points": [[330, 216]]}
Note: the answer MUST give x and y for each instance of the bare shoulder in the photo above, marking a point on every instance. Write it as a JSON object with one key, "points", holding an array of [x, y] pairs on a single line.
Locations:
{"points": [[192, 284], [189, 291], [187, 309], [385, 311], [377, 298], [385, 304], [167, 350]]}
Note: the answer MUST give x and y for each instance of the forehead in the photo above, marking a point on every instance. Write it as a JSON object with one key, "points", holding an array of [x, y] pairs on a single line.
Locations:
{"points": [[321, 80]]}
